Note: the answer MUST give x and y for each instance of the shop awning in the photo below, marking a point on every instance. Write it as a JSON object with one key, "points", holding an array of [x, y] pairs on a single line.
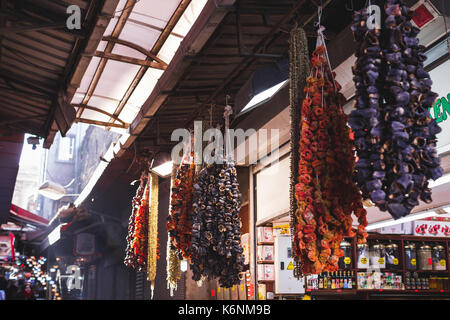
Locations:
{"points": [[17, 213]]}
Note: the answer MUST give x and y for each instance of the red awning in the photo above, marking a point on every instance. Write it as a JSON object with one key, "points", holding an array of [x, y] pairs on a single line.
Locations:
{"points": [[28, 216]]}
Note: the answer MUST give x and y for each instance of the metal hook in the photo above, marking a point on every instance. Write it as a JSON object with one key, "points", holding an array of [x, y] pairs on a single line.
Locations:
{"points": [[319, 16]]}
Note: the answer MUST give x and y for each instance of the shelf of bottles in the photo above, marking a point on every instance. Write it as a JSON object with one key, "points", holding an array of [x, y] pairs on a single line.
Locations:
{"points": [[388, 263]]}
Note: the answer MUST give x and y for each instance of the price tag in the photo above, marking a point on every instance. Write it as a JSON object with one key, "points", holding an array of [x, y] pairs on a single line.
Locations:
{"points": [[413, 262], [363, 260], [381, 261], [442, 262], [347, 260], [395, 261]]}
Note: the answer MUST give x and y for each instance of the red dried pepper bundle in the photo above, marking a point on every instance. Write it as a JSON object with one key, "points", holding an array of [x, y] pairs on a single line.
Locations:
{"points": [[130, 257], [140, 237], [179, 225], [326, 195]]}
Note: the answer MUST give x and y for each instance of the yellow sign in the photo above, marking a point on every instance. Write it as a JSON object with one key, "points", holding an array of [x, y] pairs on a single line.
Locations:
{"points": [[381, 261], [363, 260], [395, 261], [413, 262], [290, 266], [347, 260], [442, 262]]}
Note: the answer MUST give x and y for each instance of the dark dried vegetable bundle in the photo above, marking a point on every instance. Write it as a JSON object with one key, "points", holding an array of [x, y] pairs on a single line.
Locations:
{"points": [[216, 249], [398, 158], [179, 220], [130, 256]]}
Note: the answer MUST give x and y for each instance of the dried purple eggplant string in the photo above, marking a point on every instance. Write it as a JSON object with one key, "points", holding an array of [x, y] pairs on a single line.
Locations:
{"points": [[401, 157], [366, 121]]}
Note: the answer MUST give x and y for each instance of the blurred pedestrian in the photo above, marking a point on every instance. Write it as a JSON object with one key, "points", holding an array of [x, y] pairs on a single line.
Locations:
{"points": [[3, 284]]}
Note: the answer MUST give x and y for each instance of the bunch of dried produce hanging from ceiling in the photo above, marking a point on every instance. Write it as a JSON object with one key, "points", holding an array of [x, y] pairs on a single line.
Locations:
{"points": [[395, 137], [173, 260], [131, 259], [142, 243], [179, 219], [298, 71], [326, 194], [216, 249]]}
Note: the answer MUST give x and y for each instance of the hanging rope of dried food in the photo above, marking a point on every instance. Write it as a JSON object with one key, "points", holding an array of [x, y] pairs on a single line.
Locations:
{"points": [[326, 195], [153, 243], [397, 156], [216, 249], [140, 234], [131, 259], [179, 224], [298, 71], [173, 261]]}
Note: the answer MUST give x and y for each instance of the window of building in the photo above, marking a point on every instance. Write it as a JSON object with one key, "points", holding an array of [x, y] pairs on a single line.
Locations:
{"points": [[66, 148]]}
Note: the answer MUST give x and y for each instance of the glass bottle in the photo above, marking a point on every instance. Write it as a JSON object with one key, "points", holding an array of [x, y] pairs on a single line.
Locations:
{"points": [[329, 280], [333, 281], [321, 281]]}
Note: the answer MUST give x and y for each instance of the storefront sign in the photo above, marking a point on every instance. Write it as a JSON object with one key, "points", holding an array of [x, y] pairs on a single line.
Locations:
{"points": [[441, 109], [431, 228]]}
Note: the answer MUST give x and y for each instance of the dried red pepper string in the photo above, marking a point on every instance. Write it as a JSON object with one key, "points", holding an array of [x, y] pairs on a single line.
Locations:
{"points": [[326, 195], [179, 223]]}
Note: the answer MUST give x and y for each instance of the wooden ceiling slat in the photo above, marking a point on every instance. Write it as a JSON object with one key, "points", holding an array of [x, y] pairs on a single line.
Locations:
{"points": [[29, 52], [33, 45], [33, 72]]}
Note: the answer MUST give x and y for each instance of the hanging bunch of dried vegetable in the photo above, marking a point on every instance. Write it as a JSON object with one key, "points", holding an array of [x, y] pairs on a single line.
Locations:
{"points": [[140, 235], [298, 71], [179, 225], [325, 193], [130, 256], [216, 249], [153, 244], [398, 157], [173, 261]]}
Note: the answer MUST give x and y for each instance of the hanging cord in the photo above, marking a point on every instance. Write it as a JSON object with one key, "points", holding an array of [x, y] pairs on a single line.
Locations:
{"points": [[228, 111], [321, 41]]}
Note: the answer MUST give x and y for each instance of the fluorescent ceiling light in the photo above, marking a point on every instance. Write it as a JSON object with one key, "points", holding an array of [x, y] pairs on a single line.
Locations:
{"points": [[55, 235], [411, 217], [263, 96], [444, 179], [164, 169]]}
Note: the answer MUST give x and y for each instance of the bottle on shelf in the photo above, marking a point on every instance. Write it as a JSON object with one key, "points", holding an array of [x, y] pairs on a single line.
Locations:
{"points": [[329, 280], [325, 280], [333, 281], [345, 280], [353, 281], [321, 281]]}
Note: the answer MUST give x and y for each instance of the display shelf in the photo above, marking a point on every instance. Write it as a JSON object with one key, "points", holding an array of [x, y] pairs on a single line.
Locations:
{"points": [[332, 291], [401, 240], [265, 243], [265, 262]]}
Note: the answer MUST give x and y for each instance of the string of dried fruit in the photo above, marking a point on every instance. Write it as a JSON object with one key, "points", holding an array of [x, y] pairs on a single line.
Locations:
{"points": [[366, 120], [216, 249], [130, 257], [179, 225], [409, 134], [326, 195], [140, 235], [411, 156], [153, 243], [298, 71], [173, 261]]}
